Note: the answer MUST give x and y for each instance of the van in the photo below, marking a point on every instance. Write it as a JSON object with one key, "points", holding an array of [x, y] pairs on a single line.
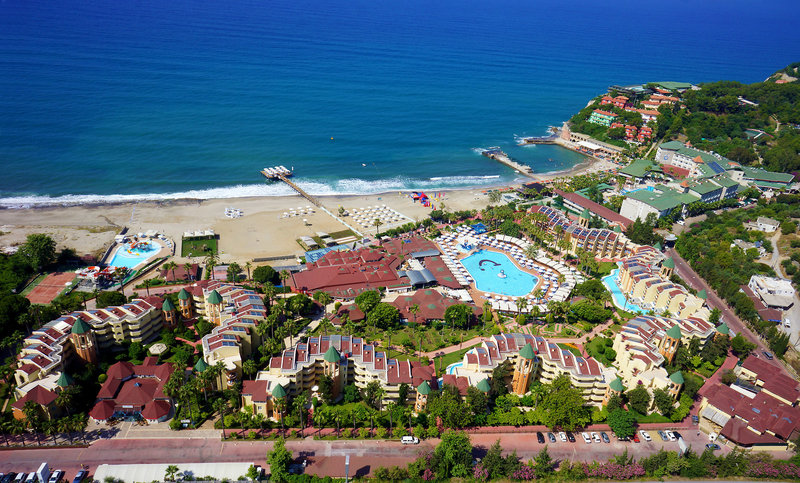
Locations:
{"points": [[409, 440]]}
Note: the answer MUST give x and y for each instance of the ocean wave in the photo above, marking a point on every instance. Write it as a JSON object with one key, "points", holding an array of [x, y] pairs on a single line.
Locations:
{"points": [[349, 186]]}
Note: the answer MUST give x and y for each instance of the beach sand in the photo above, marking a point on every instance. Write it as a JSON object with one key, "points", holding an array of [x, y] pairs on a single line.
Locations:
{"points": [[262, 231]]}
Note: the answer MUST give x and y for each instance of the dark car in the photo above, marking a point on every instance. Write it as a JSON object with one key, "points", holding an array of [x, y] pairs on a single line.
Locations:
{"points": [[570, 437], [712, 446], [539, 437], [80, 476], [605, 438], [768, 355], [663, 435], [695, 419], [677, 434], [551, 437]]}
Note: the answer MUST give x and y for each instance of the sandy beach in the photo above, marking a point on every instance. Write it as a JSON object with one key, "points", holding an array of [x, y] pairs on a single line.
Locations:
{"points": [[263, 231]]}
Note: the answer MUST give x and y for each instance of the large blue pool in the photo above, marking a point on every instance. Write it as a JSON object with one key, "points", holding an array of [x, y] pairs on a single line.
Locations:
{"points": [[130, 255], [494, 272], [610, 281]]}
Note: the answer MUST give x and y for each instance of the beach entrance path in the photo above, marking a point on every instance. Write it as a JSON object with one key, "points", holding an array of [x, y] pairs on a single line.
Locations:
{"points": [[50, 287]]}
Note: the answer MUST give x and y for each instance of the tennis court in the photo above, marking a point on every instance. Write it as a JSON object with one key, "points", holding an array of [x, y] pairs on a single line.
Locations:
{"points": [[50, 287]]}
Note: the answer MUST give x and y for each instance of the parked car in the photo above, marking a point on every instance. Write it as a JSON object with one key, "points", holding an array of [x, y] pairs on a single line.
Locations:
{"points": [[605, 437], [551, 437], [586, 438], [539, 437], [663, 435], [595, 437], [571, 437], [20, 477], [636, 438], [712, 446], [768, 355], [56, 476], [695, 419], [671, 436], [409, 440], [676, 434], [80, 476], [645, 436], [31, 478], [562, 436]]}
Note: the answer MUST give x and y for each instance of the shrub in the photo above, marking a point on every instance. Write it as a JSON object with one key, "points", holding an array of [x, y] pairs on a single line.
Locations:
{"points": [[399, 432], [380, 432], [419, 431], [363, 433], [433, 432], [347, 433]]}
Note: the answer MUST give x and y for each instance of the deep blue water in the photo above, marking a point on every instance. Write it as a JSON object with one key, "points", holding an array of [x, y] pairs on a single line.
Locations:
{"points": [[194, 98]]}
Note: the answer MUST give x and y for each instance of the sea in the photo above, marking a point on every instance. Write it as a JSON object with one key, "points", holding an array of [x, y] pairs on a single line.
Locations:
{"points": [[106, 101]]}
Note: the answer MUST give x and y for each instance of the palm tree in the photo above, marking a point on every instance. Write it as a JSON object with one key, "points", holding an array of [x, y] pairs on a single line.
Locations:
{"points": [[284, 276], [17, 427], [325, 325], [188, 267], [377, 224], [66, 398], [414, 310], [169, 474], [147, 283], [249, 367], [247, 266], [211, 260], [119, 275], [269, 293], [171, 266], [522, 304]]}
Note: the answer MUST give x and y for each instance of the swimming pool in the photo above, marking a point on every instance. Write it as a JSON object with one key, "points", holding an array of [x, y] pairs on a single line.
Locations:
{"points": [[610, 281], [451, 369], [494, 272], [129, 256]]}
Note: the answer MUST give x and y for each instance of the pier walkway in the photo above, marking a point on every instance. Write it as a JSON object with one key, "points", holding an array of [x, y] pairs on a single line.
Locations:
{"points": [[499, 155], [299, 190]]}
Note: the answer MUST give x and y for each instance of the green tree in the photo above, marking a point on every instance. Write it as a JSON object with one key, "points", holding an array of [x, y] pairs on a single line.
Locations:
{"points": [[563, 405], [543, 464], [136, 350], [459, 315], [383, 316], [639, 399], [372, 394], [279, 460], [110, 299], [622, 423], [741, 346], [265, 274], [367, 300], [39, 250], [453, 455], [234, 270], [663, 401], [402, 392]]}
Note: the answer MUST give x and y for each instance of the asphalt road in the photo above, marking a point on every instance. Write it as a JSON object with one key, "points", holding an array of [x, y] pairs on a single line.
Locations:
{"points": [[325, 457]]}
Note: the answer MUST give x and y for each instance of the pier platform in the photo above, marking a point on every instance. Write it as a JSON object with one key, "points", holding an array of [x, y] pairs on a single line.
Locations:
{"points": [[276, 172], [498, 155], [537, 140]]}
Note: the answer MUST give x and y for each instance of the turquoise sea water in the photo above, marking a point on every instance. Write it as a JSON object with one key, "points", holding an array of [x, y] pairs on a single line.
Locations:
{"points": [[151, 99]]}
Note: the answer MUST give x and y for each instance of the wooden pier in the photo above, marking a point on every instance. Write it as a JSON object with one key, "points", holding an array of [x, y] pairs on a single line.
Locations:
{"points": [[300, 191], [498, 155], [281, 173]]}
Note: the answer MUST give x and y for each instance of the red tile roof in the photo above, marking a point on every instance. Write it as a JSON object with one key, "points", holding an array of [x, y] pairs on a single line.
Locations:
{"points": [[38, 394], [609, 215]]}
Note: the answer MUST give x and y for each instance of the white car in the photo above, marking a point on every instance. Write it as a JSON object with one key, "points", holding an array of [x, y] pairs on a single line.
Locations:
{"points": [[56, 476], [671, 436], [586, 438], [644, 435], [562, 436], [596, 437], [409, 440]]}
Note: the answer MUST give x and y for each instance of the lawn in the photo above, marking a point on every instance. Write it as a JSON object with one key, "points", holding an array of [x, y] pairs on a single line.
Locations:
{"points": [[33, 284], [575, 351], [199, 248], [605, 268], [447, 359], [593, 348], [650, 418]]}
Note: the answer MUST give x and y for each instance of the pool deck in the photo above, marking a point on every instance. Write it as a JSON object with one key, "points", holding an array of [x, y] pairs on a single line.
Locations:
{"points": [[164, 251]]}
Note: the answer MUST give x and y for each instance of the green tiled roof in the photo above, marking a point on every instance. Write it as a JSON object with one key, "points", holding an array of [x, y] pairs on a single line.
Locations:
{"points": [[726, 181], [527, 352], [215, 298], [616, 385], [201, 365], [80, 327], [64, 380], [585, 214], [723, 329], [759, 174], [674, 332], [183, 294], [672, 86], [637, 168], [658, 246], [617, 229], [669, 263], [279, 392], [702, 294], [666, 200], [167, 305], [705, 187], [484, 386], [676, 377], [332, 355], [424, 388]]}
